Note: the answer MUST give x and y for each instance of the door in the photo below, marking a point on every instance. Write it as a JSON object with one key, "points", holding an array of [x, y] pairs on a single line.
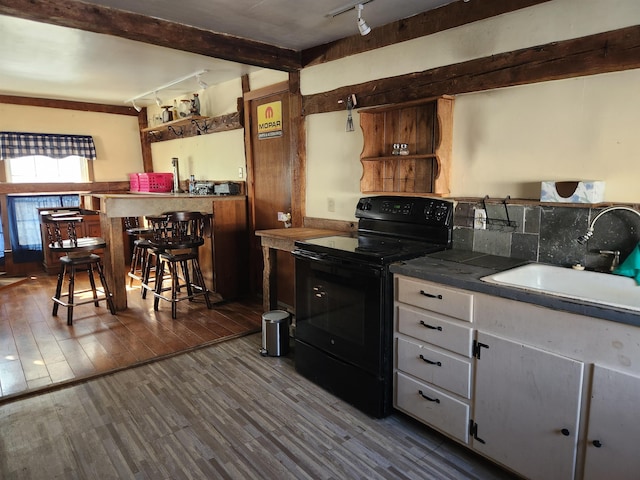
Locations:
{"points": [[613, 427], [526, 408], [339, 310], [272, 168]]}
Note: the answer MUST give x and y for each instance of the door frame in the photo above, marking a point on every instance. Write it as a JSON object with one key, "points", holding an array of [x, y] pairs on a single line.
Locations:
{"points": [[297, 149]]}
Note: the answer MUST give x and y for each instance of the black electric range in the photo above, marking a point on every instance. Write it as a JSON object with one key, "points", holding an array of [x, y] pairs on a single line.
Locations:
{"points": [[344, 295]]}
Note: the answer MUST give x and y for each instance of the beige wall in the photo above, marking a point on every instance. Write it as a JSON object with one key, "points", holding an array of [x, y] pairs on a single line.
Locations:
{"points": [[505, 141], [116, 137], [217, 156]]}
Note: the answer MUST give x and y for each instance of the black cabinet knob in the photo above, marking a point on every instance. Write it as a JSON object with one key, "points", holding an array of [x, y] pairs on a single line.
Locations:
{"points": [[596, 443], [565, 432]]}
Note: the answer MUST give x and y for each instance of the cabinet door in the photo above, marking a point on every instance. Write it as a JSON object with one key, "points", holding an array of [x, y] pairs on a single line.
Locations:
{"points": [[613, 427], [526, 408]]}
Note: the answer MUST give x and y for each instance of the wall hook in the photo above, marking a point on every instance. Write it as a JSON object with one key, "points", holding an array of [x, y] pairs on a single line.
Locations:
{"points": [[351, 103], [175, 132], [201, 129], [155, 135]]}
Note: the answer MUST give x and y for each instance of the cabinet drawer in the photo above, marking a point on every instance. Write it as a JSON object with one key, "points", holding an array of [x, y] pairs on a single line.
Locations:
{"points": [[431, 328], [432, 296], [443, 412], [440, 369]]}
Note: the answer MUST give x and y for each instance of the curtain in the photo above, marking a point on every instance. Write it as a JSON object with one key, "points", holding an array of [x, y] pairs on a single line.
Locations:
{"points": [[24, 224], [17, 144]]}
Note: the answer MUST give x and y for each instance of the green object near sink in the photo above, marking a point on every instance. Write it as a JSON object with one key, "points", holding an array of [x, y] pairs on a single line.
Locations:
{"points": [[601, 288]]}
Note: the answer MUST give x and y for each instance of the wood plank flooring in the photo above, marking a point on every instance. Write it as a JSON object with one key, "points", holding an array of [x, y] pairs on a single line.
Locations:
{"points": [[220, 412], [39, 351]]}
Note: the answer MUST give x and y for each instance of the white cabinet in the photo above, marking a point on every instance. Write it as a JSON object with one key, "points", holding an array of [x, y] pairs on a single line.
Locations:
{"points": [[433, 346], [526, 408], [613, 426], [546, 393]]}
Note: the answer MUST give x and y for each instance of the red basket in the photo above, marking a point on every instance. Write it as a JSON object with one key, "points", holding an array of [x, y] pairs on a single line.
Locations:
{"points": [[134, 182], [155, 182]]}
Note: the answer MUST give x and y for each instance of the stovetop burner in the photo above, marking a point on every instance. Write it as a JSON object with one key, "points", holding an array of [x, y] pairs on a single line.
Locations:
{"points": [[391, 229], [372, 248]]}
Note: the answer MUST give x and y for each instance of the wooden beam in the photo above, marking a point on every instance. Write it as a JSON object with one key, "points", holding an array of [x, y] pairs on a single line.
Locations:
{"points": [[449, 16], [145, 144], [68, 105], [612, 51], [133, 26], [202, 126], [46, 188]]}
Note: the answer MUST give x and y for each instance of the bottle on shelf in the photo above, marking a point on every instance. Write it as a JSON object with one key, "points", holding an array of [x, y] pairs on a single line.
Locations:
{"points": [[195, 104]]}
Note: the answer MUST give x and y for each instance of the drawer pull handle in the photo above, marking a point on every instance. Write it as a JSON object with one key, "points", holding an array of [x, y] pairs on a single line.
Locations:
{"points": [[430, 326], [437, 400], [430, 295], [439, 364]]}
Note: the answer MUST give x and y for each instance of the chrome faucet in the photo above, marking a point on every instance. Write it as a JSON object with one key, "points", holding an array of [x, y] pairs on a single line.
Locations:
{"points": [[176, 176], [584, 238]]}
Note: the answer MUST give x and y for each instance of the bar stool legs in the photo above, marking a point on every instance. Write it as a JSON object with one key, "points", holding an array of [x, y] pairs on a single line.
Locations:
{"points": [[195, 286], [68, 268]]}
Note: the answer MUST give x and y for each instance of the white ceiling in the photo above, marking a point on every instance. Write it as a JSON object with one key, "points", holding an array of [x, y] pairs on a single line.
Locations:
{"points": [[48, 61]]}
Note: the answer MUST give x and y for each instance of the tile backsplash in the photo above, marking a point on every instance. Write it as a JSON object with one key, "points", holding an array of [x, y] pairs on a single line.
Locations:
{"points": [[546, 234]]}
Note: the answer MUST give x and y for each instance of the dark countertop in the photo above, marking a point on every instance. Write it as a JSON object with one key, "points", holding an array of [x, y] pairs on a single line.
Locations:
{"points": [[463, 269]]}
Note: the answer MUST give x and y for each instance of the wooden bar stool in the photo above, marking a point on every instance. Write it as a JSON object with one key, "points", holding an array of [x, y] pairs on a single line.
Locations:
{"points": [[78, 256], [158, 225], [141, 244], [177, 241]]}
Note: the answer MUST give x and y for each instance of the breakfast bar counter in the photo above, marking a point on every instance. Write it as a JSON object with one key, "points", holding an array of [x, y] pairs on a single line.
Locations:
{"points": [[112, 207]]}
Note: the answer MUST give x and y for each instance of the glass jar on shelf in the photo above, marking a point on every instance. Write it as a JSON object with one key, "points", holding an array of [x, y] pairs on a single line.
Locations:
{"points": [[184, 109]]}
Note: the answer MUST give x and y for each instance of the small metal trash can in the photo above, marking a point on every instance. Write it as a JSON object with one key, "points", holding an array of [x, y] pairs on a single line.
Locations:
{"points": [[275, 333]]}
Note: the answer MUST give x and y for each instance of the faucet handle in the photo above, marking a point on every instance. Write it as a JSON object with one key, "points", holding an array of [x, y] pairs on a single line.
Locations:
{"points": [[616, 257]]}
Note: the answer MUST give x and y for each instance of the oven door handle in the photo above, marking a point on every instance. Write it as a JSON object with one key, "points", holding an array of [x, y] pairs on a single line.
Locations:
{"points": [[333, 261], [303, 254]]}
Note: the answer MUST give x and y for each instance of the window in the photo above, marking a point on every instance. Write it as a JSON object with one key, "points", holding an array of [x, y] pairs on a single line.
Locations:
{"points": [[24, 222], [46, 157], [40, 168]]}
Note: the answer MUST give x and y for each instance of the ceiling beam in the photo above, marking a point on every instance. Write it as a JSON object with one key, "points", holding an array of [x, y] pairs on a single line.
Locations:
{"points": [[443, 18], [132, 26], [612, 51], [68, 105]]}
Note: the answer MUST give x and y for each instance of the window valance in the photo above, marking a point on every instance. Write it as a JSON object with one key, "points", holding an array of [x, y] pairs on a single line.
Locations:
{"points": [[18, 144]]}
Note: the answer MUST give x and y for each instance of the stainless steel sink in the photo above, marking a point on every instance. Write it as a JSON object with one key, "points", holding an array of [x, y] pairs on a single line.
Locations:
{"points": [[601, 288]]}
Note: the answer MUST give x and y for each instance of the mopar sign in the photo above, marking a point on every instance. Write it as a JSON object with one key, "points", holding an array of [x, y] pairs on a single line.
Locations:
{"points": [[270, 120]]}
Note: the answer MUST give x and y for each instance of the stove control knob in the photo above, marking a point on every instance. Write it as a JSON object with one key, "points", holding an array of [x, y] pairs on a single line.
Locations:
{"points": [[441, 213], [428, 211]]}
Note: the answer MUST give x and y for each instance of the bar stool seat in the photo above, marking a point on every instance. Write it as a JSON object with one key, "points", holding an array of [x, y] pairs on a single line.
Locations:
{"points": [[177, 241], [78, 256]]}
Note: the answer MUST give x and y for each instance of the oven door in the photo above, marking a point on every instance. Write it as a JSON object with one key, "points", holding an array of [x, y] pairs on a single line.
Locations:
{"points": [[340, 309]]}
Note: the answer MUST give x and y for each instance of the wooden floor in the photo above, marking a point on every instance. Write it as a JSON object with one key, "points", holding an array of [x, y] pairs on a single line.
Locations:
{"points": [[220, 412], [39, 351]]}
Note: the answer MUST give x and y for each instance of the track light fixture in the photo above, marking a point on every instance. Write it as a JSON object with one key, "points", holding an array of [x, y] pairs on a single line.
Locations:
{"points": [[201, 82], [138, 109], [155, 91], [362, 25]]}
